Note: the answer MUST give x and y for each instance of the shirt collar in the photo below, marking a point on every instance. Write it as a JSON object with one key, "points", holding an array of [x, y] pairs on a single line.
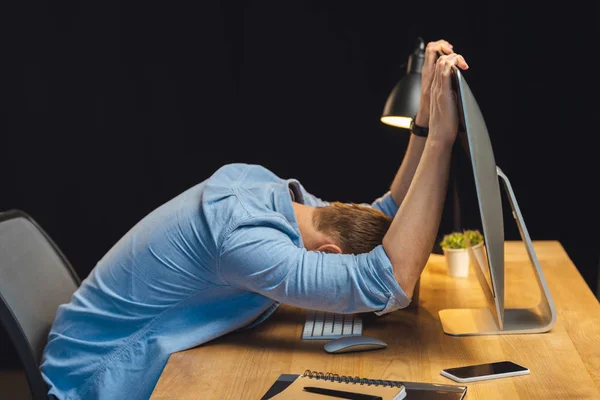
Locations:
{"points": [[283, 204]]}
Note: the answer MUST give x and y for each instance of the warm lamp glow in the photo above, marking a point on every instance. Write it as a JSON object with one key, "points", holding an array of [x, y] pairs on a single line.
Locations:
{"points": [[400, 122]]}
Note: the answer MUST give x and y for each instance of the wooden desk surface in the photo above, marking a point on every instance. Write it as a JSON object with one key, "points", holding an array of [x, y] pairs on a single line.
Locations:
{"points": [[564, 363]]}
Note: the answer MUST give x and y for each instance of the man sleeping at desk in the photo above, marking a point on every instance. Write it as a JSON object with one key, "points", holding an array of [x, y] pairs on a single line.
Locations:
{"points": [[225, 253]]}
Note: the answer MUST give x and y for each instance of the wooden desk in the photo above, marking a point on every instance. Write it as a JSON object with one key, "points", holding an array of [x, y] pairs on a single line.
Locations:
{"points": [[564, 363]]}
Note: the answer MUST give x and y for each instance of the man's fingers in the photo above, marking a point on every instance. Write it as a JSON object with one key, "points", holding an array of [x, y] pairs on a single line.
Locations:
{"points": [[439, 47], [453, 59], [461, 63], [444, 66], [449, 62], [444, 63], [448, 68], [446, 48]]}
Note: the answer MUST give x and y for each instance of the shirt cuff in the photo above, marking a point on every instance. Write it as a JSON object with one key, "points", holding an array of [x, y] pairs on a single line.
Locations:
{"points": [[397, 298]]}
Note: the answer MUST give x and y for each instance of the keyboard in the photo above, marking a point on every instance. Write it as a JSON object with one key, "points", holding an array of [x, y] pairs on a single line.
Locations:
{"points": [[323, 325]]}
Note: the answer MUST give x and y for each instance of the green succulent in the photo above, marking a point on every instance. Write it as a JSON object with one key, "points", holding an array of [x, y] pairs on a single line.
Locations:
{"points": [[456, 240], [475, 237]]}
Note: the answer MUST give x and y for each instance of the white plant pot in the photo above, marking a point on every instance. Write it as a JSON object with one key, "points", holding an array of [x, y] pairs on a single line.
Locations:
{"points": [[458, 260]]}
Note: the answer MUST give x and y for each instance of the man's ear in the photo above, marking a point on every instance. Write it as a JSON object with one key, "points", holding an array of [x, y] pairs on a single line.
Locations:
{"points": [[330, 248]]}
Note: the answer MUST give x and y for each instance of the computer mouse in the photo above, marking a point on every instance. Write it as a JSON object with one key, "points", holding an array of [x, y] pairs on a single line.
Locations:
{"points": [[347, 344]]}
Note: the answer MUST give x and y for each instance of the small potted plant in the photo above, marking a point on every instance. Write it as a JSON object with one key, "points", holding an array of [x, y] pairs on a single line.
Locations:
{"points": [[455, 250]]}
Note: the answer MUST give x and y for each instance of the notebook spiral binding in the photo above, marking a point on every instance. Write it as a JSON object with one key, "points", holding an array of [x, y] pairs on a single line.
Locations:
{"points": [[328, 376]]}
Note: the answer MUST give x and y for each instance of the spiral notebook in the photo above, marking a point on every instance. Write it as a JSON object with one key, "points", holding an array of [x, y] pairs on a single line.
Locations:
{"points": [[414, 390], [387, 390]]}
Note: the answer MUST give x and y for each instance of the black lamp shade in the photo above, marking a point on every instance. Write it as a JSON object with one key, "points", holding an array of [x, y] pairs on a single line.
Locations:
{"points": [[403, 102]]}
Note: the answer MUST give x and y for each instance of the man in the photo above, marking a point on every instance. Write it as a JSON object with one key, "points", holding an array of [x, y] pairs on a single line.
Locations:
{"points": [[224, 254]]}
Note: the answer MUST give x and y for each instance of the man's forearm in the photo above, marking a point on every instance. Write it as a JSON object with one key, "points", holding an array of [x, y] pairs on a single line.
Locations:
{"points": [[411, 236], [411, 159], [407, 169]]}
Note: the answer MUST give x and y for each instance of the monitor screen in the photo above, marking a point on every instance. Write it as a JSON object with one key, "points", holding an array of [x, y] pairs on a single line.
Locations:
{"points": [[477, 146], [479, 189]]}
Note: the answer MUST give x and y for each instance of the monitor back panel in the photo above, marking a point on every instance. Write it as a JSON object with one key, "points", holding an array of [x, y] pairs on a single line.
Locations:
{"points": [[487, 186]]}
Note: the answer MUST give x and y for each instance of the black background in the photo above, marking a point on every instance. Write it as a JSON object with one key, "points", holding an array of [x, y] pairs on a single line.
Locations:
{"points": [[113, 108]]}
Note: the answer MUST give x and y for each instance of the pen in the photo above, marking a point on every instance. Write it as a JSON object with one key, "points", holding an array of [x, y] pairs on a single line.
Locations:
{"points": [[341, 394]]}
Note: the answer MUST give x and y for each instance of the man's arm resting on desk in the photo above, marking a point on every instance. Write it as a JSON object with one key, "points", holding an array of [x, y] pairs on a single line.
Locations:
{"points": [[264, 260], [259, 256]]}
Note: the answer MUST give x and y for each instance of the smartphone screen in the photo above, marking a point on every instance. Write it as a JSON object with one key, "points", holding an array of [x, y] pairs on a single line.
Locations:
{"points": [[472, 371]]}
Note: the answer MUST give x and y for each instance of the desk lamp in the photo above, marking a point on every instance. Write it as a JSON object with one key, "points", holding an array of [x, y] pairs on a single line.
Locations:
{"points": [[403, 102]]}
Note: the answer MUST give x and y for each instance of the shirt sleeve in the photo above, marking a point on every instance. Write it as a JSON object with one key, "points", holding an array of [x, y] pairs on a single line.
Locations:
{"points": [[266, 261], [386, 204]]}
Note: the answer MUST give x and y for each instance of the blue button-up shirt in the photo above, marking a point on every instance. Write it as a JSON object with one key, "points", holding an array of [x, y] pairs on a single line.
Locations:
{"points": [[219, 257]]}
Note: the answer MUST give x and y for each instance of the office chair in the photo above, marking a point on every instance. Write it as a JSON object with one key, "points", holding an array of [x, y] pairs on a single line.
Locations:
{"points": [[35, 278]]}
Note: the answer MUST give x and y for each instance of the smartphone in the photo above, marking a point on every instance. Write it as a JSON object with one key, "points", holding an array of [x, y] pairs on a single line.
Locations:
{"points": [[479, 372]]}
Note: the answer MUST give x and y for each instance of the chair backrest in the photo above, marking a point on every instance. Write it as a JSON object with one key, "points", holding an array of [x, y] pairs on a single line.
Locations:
{"points": [[35, 278]]}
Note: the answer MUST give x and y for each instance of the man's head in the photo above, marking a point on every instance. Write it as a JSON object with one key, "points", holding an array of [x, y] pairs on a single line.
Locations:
{"points": [[350, 228]]}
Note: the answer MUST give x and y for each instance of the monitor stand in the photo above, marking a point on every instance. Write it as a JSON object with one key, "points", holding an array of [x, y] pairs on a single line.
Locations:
{"points": [[481, 321]]}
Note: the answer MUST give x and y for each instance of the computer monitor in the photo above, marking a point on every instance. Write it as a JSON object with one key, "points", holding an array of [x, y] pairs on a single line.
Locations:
{"points": [[495, 318]]}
